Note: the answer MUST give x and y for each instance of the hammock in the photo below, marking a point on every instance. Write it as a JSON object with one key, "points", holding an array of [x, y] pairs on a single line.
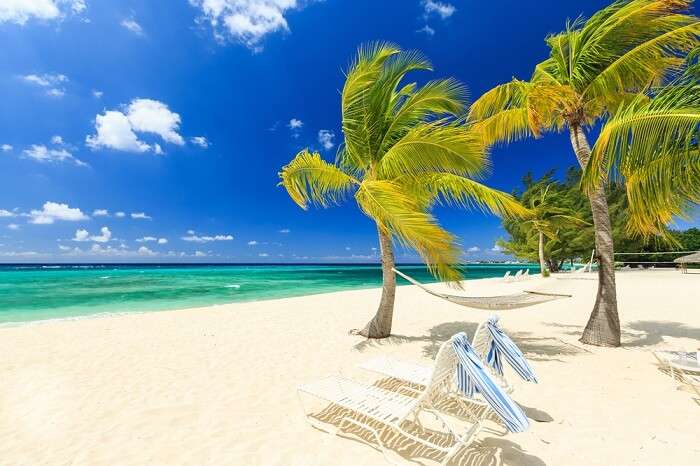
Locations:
{"points": [[505, 302]]}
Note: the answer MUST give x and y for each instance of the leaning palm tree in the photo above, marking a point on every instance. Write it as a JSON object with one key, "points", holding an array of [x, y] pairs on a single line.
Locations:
{"points": [[594, 67], [406, 147], [652, 143], [547, 214]]}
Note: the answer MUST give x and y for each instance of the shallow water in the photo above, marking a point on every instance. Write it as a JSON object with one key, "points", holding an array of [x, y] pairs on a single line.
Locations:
{"points": [[39, 292]]}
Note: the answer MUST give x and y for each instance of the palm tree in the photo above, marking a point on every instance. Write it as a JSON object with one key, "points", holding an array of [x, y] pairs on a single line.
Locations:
{"points": [[547, 214], [594, 67], [406, 147], [653, 144]]}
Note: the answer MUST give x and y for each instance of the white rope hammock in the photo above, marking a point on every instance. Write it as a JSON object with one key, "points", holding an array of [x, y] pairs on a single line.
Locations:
{"points": [[492, 303]]}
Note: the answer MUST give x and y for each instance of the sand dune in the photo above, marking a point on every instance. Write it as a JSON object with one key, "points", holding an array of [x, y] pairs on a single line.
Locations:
{"points": [[216, 385]]}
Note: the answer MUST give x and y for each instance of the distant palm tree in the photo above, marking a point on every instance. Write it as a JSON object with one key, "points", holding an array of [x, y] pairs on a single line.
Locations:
{"points": [[594, 67], [406, 147], [547, 215]]}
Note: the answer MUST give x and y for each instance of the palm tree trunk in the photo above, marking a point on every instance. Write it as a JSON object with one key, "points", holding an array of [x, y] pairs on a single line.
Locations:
{"points": [[541, 252], [603, 327], [380, 325]]}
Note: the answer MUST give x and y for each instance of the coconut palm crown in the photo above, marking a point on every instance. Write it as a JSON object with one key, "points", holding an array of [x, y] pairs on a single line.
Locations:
{"points": [[547, 213], [406, 147], [595, 67]]}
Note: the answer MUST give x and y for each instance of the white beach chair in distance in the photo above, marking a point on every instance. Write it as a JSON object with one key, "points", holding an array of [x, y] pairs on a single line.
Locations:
{"points": [[518, 275], [392, 409], [526, 274], [507, 278]]}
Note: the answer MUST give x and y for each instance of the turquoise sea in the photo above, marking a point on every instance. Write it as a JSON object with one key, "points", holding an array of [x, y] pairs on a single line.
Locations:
{"points": [[39, 292]]}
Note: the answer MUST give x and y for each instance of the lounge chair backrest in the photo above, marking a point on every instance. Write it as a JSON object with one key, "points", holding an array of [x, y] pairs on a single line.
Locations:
{"points": [[443, 375], [481, 342]]}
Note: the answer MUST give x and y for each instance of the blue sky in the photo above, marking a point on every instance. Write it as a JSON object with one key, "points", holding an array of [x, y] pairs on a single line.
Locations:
{"points": [[154, 131]]}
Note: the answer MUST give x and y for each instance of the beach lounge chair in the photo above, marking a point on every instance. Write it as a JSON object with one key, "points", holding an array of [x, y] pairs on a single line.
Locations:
{"points": [[491, 345], [390, 408], [456, 365], [525, 275], [507, 278], [683, 366], [518, 275]]}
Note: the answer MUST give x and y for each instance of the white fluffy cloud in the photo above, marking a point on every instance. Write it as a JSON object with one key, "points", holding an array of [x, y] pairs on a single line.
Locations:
{"points": [[325, 138], [200, 254], [7, 213], [83, 235], [252, 243], [117, 130], [13, 226], [246, 21], [120, 215], [474, 249], [51, 82], [104, 236], [144, 251], [21, 11], [285, 231], [295, 123], [41, 153], [200, 141], [52, 211], [193, 237], [114, 132], [151, 116], [132, 25], [100, 213], [58, 140], [6, 148], [152, 239], [97, 94], [442, 9], [427, 30], [496, 248], [140, 216]]}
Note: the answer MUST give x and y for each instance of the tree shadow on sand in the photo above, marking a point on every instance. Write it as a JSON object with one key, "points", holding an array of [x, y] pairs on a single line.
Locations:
{"points": [[482, 452], [536, 348], [643, 333]]}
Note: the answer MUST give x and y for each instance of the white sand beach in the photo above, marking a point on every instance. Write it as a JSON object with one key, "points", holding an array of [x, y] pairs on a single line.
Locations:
{"points": [[217, 385]]}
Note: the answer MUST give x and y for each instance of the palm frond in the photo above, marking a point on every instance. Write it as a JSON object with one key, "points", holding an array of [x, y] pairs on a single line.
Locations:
{"points": [[638, 133], [398, 213], [653, 145], [435, 147], [310, 179], [649, 62], [463, 192], [363, 73], [435, 99], [623, 27]]}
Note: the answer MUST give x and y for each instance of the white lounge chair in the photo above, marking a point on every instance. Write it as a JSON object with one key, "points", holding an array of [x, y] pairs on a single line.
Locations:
{"points": [[390, 408], [683, 366], [507, 278], [525, 275], [518, 275], [419, 374]]}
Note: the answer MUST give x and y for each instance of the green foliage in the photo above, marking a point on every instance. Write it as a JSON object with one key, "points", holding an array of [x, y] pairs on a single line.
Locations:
{"points": [[575, 240], [594, 66], [406, 148]]}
